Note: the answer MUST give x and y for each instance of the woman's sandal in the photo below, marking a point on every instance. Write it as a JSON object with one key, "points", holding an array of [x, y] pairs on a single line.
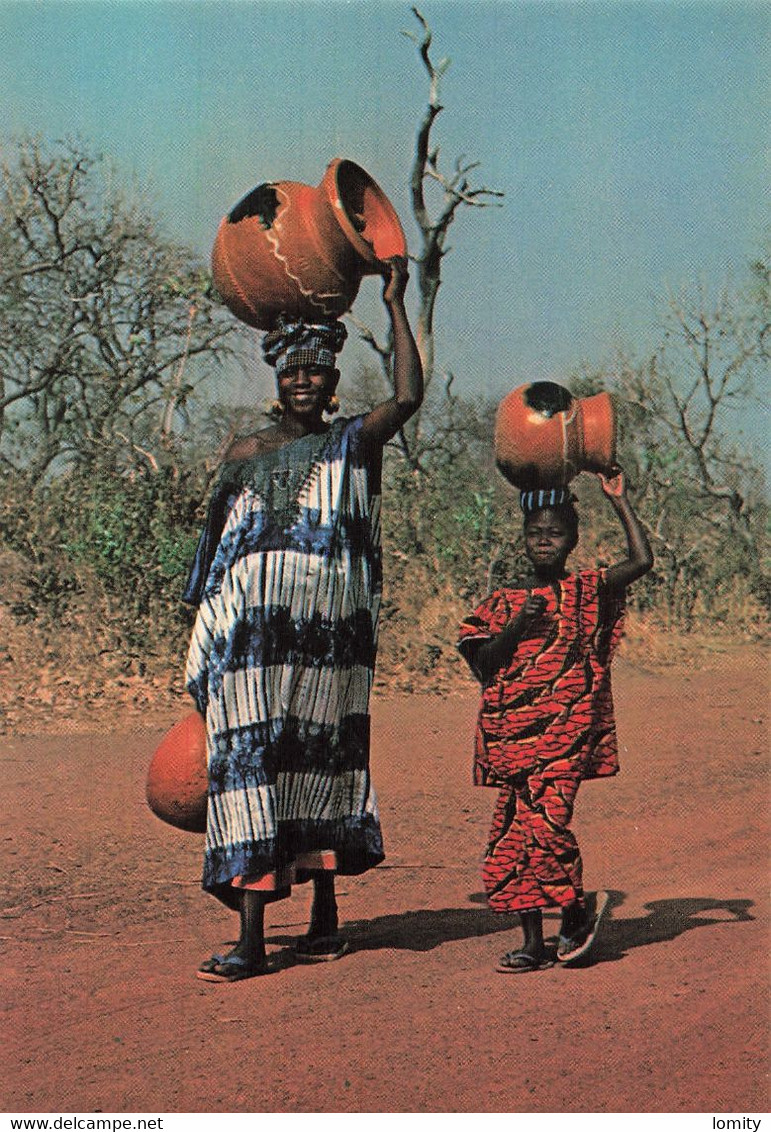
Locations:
{"points": [[320, 949], [520, 963], [229, 969]]}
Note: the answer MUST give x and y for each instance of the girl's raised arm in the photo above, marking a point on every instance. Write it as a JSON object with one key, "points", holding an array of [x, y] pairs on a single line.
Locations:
{"points": [[640, 556]]}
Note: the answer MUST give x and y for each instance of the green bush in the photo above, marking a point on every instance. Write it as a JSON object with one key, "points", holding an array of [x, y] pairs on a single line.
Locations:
{"points": [[107, 557]]}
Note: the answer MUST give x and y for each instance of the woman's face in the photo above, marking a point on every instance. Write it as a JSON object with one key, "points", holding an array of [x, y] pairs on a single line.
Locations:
{"points": [[549, 540], [304, 391]]}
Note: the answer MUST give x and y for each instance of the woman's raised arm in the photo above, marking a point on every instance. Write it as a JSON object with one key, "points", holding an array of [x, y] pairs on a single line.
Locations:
{"points": [[385, 420]]}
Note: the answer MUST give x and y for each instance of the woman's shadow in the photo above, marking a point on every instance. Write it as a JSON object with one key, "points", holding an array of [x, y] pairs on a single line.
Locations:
{"points": [[425, 929]]}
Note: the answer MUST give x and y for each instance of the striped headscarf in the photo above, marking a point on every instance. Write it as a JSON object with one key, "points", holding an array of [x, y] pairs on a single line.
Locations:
{"points": [[531, 501], [297, 343]]}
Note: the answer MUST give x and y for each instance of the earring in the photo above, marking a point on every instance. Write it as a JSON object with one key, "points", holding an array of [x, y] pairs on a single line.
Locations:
{"points": [[273, 409], [333, 404]]}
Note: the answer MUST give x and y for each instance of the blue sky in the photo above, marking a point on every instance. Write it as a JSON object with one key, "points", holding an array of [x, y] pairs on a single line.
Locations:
{"points": [[629, 139]]}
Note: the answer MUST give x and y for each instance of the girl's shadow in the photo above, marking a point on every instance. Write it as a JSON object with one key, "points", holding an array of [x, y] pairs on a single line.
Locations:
{"points": [[425, 929], [665, 920]]}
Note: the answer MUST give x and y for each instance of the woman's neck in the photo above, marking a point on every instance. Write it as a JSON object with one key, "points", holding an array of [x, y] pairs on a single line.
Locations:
{"points": [[294, 427]]}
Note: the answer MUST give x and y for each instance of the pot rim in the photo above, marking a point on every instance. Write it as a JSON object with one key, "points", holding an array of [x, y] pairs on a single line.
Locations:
{"points": [[331, 184]]}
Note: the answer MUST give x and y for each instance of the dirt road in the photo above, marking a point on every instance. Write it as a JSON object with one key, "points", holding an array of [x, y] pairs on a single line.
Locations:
{"points": [[103, 925]]}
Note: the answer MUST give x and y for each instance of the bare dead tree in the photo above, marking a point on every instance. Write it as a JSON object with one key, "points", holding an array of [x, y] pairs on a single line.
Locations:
{"points": [[457, 191]]}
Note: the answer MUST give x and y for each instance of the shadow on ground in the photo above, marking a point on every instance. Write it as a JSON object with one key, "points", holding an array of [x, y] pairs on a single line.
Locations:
{"points": [[665, 920], [421, 930], [425, 929]]}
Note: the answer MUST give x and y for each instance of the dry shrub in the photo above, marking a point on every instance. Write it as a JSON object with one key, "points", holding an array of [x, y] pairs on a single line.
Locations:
{"points": [[92, 571], [417, 643]]}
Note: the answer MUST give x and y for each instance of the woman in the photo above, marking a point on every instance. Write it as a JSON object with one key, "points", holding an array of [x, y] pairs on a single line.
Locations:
{"points": [[288, 580], [542, 649]]}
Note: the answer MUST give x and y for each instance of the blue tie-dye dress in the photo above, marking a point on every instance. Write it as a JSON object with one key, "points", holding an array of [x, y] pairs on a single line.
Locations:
{"points": [[282, 657]]}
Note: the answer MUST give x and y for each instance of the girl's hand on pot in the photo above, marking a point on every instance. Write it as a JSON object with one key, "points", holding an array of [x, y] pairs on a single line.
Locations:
{"points": [[613, 484]]}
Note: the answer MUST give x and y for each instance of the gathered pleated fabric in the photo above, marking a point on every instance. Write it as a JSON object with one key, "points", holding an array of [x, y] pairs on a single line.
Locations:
{"points": [[282, 658]]}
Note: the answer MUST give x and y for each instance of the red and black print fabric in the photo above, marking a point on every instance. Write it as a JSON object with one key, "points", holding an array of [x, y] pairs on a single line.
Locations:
{"points": [[546, 723]]}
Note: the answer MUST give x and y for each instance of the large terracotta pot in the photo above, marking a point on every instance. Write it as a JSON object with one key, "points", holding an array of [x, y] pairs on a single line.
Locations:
{"points": [[177, 781], [544, 436], [289, 248]]}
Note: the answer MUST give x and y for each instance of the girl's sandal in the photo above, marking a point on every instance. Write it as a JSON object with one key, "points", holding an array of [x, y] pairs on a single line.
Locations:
{"points": [[521, 963], [571, 948]]}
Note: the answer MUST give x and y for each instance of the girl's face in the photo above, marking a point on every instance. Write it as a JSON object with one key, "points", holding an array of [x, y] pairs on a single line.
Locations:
{"points": [[549, 540]]}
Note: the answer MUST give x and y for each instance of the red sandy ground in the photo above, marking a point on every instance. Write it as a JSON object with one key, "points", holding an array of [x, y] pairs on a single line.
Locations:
{"points": [[103, 925]]}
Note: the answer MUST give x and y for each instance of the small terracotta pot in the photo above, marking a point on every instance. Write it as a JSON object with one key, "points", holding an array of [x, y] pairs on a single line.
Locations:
{"points": [[544, 436], [288, 248], [177, 781]]}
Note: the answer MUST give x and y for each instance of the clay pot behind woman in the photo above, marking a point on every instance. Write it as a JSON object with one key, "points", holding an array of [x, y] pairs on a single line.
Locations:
{"points": [[177, 781], [292, 249], [544, 436]]}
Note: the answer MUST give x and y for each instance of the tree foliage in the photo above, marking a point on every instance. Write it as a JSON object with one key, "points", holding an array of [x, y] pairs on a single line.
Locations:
{"points": [[702, 495], [102, 318], [106, 327]]}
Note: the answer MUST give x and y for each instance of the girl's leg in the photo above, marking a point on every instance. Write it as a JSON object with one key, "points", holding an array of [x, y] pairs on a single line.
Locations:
{"points": [[532, 928], [579, 926], [573, 919], [532, 955]]}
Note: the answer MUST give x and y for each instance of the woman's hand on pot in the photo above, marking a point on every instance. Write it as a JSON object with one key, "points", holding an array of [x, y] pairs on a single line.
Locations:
{"points": [[396, 275]]}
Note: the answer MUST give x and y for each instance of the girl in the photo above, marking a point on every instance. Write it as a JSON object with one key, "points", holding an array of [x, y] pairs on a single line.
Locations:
{"points": [[542, 651]]}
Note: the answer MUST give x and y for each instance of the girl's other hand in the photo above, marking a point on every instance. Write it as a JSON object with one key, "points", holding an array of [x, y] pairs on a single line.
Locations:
{"points": [[535, 606]]}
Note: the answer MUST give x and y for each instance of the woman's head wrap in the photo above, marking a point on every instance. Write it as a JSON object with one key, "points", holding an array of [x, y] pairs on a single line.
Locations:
{"points": [[303, 344]]}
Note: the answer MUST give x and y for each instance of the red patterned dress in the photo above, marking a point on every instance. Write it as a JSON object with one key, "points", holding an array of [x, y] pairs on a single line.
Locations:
{"points": [[546, 723]]}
